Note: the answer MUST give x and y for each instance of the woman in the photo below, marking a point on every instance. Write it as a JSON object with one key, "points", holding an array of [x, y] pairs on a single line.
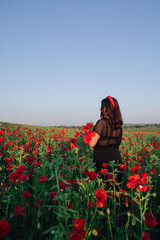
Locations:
{"points": [[108, 134]]}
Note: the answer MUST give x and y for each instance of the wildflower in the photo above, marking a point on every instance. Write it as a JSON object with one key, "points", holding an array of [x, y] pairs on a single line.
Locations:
{"points": [[26, 194], [76, 134], [143, 188], [14, 177], [104, 171], [145, 236], [22, 177], [88, 136], [104, 165], [120, 193], [101, 196], [20, 169], [150, 220], [69, 205], [136, 167], [18, 211], [42, 179], [90, 204], [63, 185], [4, 228], [123, 166], [7, 160], [92, 175], [9, 167], [38, 203], [78, 233], [73, 142], [88, 127], [53, 195], [153, 171], [83, 169], [133, 181]]}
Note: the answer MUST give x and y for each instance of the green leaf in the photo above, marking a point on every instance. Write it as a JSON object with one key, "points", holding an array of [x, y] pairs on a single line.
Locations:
{"points": [[136, 236], [49, 230]]}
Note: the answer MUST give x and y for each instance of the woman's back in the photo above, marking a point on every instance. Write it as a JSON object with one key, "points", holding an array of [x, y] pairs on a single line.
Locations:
{"points": [[108, 135]]}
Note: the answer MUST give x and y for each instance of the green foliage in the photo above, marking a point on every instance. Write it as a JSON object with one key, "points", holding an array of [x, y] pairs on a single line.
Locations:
{"points": [[67, 191]]}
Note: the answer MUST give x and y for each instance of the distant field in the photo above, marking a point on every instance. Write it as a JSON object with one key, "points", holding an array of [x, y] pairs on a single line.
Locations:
{"points": [[147, 128], [134, 128]]}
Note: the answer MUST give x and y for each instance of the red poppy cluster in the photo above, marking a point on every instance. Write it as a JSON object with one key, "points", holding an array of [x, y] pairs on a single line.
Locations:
{"points": [[74, 175], [88, 133], [78, 232], [101, 196], [139, 182], [18, 175]]}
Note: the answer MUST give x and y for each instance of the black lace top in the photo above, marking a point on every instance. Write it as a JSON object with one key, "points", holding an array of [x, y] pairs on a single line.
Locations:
{"points": [[108, 135], [107, 147]]}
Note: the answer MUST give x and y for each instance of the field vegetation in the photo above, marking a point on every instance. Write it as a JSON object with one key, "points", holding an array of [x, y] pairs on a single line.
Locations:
{"points": [[49, 188]]}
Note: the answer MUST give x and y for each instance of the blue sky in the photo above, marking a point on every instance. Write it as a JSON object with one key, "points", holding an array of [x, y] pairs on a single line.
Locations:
{"points": [[60, 58]]}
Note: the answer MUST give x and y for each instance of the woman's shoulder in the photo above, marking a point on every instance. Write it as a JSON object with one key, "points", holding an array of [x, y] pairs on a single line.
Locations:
{"points": [[100, 122]]}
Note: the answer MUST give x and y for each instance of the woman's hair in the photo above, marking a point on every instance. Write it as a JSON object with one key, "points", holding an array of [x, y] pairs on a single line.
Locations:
{"points": [[112, 113]]}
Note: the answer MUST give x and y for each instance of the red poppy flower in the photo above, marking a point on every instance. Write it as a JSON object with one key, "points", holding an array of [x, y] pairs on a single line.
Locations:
{"points": [[63, 185], [136, 167], [83, 169], [7, 160], [153, 171], [92, 175], [53, 195], [88, 127], [2, 139], [20, 169], [4, 228], [38, 203], [14, 176], [22, 177], [145, 236], [18, 211], [90, 204], [143, 188], [133, 181], [76, 134], [104, 165], [123, 166], [88, 136], [150, 220], [104, 171], [9, 167], [121, 193], [101, 196], [42, 179], [73, 142], [78, 233], [26, 194]]}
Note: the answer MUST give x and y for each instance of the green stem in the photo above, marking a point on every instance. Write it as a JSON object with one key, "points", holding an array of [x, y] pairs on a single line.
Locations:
{"points": [[110, 228]]}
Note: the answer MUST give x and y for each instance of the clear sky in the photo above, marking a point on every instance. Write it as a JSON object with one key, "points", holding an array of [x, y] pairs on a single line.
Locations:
{"points": [[60, 58]]}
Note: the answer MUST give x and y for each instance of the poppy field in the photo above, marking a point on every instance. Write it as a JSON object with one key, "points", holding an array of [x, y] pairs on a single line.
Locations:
{"points": [[49, 188]]}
